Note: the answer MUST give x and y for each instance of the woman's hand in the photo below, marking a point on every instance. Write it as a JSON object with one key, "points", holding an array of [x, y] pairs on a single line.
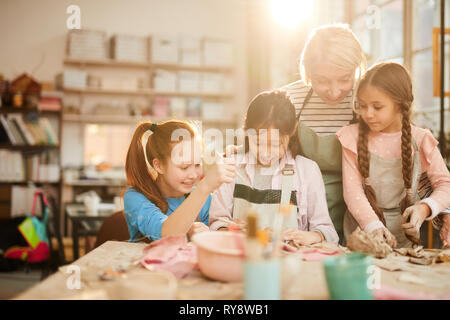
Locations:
{"points": [[413, 218], [445, 231], [302, 237], [223, 171], [386, 235], [197, 227]]}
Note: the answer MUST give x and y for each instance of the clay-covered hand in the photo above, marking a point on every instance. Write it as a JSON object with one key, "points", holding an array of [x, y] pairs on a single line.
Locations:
{"points": [[197, 227], [231, 150], [385, 234], [223, 171], [413, 218], [237, 225], [445, 231], [302, 237]]}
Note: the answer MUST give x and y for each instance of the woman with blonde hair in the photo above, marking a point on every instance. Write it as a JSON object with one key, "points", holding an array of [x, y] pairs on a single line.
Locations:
{"points": [[331, 63]]}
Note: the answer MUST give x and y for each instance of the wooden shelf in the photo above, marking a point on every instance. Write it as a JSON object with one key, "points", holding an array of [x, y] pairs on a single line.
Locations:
{"points": [[28, 147], [25, 110], [133, 120], [96, 183], [149, 93], [142, 65], [26, 182], [108, 92]]}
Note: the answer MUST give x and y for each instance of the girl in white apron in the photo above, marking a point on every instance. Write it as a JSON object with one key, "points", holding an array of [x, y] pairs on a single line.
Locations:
{"points": [[272, 173], [384, 157]]}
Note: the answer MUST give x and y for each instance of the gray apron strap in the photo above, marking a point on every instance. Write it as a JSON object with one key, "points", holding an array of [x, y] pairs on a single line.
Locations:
{"points": [[287, 182]]}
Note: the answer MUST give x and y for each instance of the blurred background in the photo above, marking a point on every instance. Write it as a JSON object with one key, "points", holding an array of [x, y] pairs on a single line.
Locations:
{"points": [[94, 69]]}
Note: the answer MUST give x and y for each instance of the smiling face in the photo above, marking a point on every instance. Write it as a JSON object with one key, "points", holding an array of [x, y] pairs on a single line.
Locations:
{"points": [[378, 110], [268, 146], [331, 83], [178, 175]]}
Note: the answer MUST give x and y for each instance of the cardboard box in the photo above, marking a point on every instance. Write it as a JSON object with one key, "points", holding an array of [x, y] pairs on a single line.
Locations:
{"points": [[189, 81], [217, 53], [212, 83], [178, 107], [190, 51], [87, 44], [129, 48], [75, 79], [165, 81], [164, 49]]}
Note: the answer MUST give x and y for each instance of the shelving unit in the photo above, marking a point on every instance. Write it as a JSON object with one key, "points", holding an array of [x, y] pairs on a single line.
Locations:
{"points": [[119, 119], [141, 65], [28, 150], [147, 93]]}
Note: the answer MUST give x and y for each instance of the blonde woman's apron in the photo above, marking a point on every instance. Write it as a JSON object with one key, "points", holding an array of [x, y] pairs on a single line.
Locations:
{"points": [[326, 151], [387, 181], [266, 202]]}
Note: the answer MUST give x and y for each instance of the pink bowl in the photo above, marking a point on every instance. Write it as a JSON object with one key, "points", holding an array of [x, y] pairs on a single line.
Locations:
{"points": [[220, 255]]}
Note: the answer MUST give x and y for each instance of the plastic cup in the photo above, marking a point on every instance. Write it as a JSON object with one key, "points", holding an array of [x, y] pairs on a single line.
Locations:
{"points": [[348, 277], [262, 280]]}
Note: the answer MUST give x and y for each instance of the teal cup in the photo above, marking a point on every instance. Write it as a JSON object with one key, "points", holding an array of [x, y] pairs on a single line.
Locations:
{"points": [[348, 276], [262, 280]]}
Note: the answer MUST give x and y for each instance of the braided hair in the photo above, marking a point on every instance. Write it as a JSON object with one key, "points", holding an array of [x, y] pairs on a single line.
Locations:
{"points": [[394, 80]]}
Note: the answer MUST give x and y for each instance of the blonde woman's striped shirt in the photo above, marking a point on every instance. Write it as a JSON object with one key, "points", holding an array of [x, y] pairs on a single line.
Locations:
{"points": [[317, 115]]}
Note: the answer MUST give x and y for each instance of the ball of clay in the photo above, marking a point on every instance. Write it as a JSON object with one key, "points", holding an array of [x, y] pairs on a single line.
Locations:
{"points": [[367, 243]]}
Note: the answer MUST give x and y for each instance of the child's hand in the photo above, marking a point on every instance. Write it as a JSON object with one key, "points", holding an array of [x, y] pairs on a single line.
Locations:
{"points": [[301, 237], [223, 171], [385, 234], [197, 227], [413, 218], [237, 225], [231, 150]]}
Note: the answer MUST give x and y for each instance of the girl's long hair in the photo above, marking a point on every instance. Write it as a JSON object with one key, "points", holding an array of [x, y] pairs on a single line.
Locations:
{"points": [[273, 109], [140, 175], [394, 80]]}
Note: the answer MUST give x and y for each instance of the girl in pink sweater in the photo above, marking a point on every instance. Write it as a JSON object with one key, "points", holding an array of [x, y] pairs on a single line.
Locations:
{"points": [[384, 157]]}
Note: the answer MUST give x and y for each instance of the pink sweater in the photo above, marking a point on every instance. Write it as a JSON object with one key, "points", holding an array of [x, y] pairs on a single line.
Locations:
{"points": [[388, 145], [312, 205]]}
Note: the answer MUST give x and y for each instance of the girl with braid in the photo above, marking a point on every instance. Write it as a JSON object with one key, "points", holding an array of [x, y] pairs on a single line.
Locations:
{"points": [[383, 157]]}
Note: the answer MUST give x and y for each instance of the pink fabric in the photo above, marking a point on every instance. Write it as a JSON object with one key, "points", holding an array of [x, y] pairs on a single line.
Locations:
{"points": [[388, 293], [317, 254], [312, 254], [388, 145], [311, 200], [171, 254]]}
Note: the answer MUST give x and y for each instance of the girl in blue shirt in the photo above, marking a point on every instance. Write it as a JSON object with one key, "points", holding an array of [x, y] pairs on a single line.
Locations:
{"points": [[161, 172]]}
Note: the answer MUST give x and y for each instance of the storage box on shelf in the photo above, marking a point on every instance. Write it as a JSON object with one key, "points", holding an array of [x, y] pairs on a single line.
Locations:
{"points": [[176, 70], [129, 48], [87, 44]]}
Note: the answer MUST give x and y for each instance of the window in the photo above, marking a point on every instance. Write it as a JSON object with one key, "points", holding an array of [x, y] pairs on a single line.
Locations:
{"points": [[107, 143]]}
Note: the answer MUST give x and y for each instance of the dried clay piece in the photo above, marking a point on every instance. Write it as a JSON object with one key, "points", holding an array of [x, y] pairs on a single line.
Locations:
{"points": [[367, 243]]}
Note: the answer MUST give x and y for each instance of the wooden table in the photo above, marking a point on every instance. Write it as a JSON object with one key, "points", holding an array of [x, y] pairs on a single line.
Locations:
{"points": [[308, 283], [84, 225]]}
